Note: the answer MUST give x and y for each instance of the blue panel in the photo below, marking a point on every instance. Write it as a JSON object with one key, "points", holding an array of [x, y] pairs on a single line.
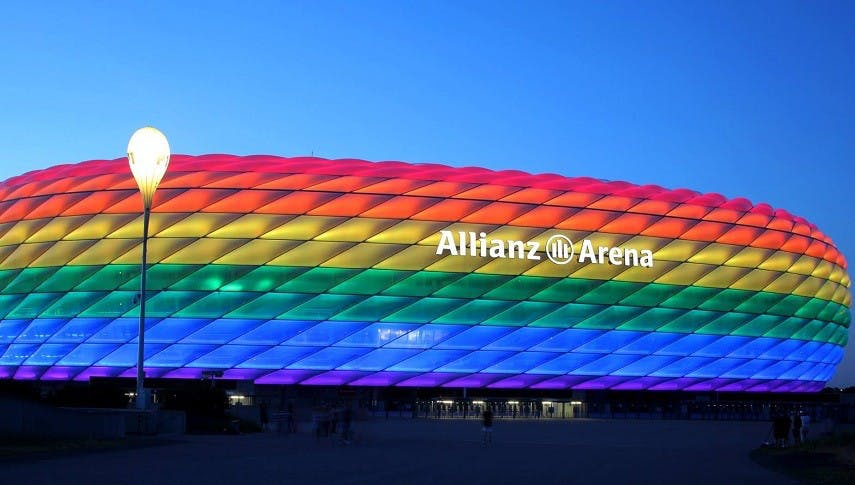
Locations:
{"points": [[428, 360], [221, 331], [427, 336], [521, 362], [171, 330], [326, 333], [227, 356], [120, 330], [10, 329], [835, 356], [775, 370], [748, 369], [827, 374], [87, 354], [40, 330], [811, 374], [609, 342], [567, 340], [646, 365], [682, 367], [821, 353], [16, 353], [476, 361], [379, 359], [805, 351], [797, 371], [650, 343], [723, 346], [687, 345], [475, 337], [126, 355], [48, 354], [523, 338], [178, 355], [277, 357], [273, 332], [606, 365], [378, 334], [782, 350], [564, 364], [755, 348], [79, 329], [329, 358], [717, 368]]}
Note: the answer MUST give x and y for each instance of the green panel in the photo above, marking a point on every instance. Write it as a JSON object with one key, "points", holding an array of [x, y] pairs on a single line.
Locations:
{"points": [[809, 330], [111, 277], [6, 276], [215, 305], [609, 292], [568, 315], [8, 302], [475, 312], [269, 305], [828, 311], [726, 300], [423, 283], [788, 306], [759, 326], [161, 276], [760, 302], [652, 294], [472, 285], [74, 303], [211, 277], [841, 337], [691, 297], [67, 277], [811, 308], [725, 324], [787, 328], [374, 309], [689, 321], [843, 316], [522, 313], [29, 279], [33, 305], [371, 281], [425, 310], [611, 317], [165, 303], [115, 304], [651, 319], [826, 333], [567, 290], [321, 307], [264, 278], [520, 288], [318, 280]]}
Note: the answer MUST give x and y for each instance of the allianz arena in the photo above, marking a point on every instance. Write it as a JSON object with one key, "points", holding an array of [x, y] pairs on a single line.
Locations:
{"points": [[346, 272]]}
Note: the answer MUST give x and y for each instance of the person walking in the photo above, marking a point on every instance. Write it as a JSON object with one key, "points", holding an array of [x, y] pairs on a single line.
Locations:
{"points": [[797, 429], [487, 426]]}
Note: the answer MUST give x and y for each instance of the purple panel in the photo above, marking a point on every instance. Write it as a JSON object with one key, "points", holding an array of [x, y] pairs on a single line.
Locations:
{"points": [[764, 386], [474, 380], [709, 384], [674, 384], [148, 371], [383, 378], [286, 376], [97, 372], [58, 373], [6, 372], [28, 372], [604, 382], [243, 374], [334, 378], [183, 373], [429, 379], [641, 383], [518, 381], [561, 382]]}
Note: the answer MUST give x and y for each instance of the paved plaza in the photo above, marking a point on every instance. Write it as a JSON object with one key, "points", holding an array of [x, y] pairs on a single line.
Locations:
{"points": [[428, 451]]}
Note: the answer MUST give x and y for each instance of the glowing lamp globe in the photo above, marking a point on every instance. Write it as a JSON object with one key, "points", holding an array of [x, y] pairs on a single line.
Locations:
{"points": [[148, 156]]}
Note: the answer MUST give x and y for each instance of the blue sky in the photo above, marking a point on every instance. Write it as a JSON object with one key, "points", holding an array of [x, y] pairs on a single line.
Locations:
{"points": [[750, 99]]}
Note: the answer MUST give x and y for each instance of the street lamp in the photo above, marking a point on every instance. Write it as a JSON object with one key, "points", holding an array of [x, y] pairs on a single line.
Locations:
{"points": [[148, 156]]}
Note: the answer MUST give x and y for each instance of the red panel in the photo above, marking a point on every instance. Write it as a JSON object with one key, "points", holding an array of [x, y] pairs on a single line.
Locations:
{"points": [[497, 213], [393, 186], [193, 200], [614, 202], [723, 215], [297, 203], [345, 184], [400, 207], [532, 196], [450, 210], [245, 201], [240, 181], [690, 211], [441, 189], [349, 205], [575, 199], [487, 192], [104, 182], [543, 216], [295, 182], [658, 207]]}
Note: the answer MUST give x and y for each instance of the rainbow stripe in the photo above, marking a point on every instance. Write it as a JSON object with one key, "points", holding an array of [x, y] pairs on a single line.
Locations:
{"points": [[313, 271]]}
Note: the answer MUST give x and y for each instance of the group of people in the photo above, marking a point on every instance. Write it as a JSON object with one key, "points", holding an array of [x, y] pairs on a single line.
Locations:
{"points": [[783, 424], [333, 420]]}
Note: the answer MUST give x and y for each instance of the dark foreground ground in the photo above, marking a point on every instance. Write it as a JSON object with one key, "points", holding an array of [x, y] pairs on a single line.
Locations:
{"points": [[416, 452]]}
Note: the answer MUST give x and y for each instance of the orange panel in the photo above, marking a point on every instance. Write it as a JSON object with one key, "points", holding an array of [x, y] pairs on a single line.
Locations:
{"points": [[348, 183], [574, 199], [20, 209], [629, 224], [796, 244], [246, 180], [393, 186], [817, 249], [297, 203], [193, 200], [532, 196], [245, 201], [587, 220], [657, 207], [754, 219], [668, 227], [441, 189], [723, 215], [295, 182], [706, 231], [450, 210], [614, 202], [400, 207], [497, 213], [349, 205], [691, 211], [487, 192], [741, 235], [55, 205], [771, 239], [102, 182], [543, 216], [100, 201], [780, 224], [182, 180]]}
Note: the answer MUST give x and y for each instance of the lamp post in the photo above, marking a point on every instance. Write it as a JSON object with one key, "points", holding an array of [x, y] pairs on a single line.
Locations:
{"points": [[148, 156]]}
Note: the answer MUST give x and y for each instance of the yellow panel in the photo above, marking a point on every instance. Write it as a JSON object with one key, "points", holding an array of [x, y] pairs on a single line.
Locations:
{"points": [[99, 226], [809, 287], [61, 252], [715, 254], [158, 249], [5, 251], [646, 275], [432, 239], [827, 291], [844, 280], [250, 226], [21, 231], [756, 279], [779, 261], [804, 265], [575, 236], [457, 264], [685, 274], [257, 251], [105, 250], [310, 253], [304, 228], [646, 242], [204, 251], [57, 228], [507, 266], [549, 269], [749, 257], [598, 271], [411, 258], [722, 277], [356, 230], [785, 283], [25, 254], [157, 222], [364, 255], [603, 239], [517, 233], [408, 232], [198, 224], [678, 250], [824, 269]]}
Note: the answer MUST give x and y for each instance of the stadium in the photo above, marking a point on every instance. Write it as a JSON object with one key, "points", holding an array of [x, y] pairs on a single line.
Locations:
{"points": [[323, 272]]}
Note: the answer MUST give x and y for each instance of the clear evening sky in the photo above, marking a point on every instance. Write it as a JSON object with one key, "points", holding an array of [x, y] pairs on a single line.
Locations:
{"points": [[750, 99]]}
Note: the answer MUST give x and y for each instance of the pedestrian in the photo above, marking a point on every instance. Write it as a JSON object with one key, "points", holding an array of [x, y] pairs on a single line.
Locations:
{"points": [[263, 416], [805, 426], [797, 429], [487, 426]]}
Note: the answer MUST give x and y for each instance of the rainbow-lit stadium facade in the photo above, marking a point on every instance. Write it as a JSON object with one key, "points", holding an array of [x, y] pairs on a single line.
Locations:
{"points": [[335, 272]]}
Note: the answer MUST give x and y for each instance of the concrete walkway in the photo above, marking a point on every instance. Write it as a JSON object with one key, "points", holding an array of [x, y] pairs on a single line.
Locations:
{"points": [[429, 452]]}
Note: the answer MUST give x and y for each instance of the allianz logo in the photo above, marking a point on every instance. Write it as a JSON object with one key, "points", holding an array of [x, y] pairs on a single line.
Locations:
{"points": [[558, 248]]}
